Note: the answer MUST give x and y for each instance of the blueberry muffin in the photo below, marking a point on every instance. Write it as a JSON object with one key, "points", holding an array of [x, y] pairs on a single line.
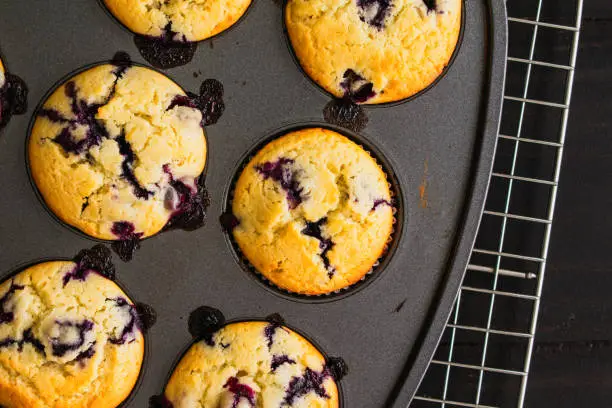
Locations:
{"points": [[69, 337], [373, 51], [118, 152], [313, 212], [252, 364], [178, 20]]}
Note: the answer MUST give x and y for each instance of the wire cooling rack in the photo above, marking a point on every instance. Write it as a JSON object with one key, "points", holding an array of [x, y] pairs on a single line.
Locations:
{"points": [[484, 356]]}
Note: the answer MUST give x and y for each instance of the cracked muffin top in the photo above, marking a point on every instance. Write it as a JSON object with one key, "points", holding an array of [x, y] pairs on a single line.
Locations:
{"points": [[373, 51], [69, 337], [252, 364], [178, 20], [313, 212], [118, 152]]}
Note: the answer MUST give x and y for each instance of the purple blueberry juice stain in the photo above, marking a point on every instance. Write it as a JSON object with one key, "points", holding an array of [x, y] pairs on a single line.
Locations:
{"points": [[345, 113], [84, 116], [228, 221], [26, 338], [337, 367], [282, 171], [240, 391], [59, 346], [13, 98], [209, 101], [270, 331], [188, 204], [310, 381], [127, 171], [7, 316], [87, 354], [374, 12], [133, 324], [146, 314], [97, 259], [160, 401], [128, 240], [313, 229], [122, 59], [166, 51], [380, 202], [356, 87], [432, 5], [204, 322], [278, 361]]}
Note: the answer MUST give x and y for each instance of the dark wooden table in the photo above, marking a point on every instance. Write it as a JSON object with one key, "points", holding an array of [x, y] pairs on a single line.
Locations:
{"points": [[572, 362]]}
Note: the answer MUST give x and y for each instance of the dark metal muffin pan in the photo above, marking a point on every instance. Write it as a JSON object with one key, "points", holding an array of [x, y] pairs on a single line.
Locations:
{"points": [[440, 146]]}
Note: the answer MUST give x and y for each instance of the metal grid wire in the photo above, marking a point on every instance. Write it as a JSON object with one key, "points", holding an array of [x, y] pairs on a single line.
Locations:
{"points": [[485, 353]]}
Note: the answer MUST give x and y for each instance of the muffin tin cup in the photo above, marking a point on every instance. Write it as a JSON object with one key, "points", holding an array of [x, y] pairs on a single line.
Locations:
{"points": [[39, 106], [384, 104], [308, 337], [379, 266], [17, 269]]}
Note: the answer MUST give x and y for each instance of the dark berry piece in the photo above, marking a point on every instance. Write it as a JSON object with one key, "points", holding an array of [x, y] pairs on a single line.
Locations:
{"points": [[87, 354], [337, 367], [345, 113], [7, 316], [310, 381], [356, 87], [432, 5], [127, 172], [96, 259], [379, 202], [275, 318], [128, 240], [282, 172], [211, 101], [181, 100], [189, 204], [146, 315], [228, 221], [276, 322], [15, 94], [159, 401], [240, 391], [374, 12], [278, 361], [166, 51], [204, 322], [59, 346], [127, 334], [121, 59], [313, 229]]}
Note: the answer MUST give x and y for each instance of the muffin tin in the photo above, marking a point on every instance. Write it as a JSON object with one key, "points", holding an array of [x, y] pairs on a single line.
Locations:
{"points": [[439, 146]]}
